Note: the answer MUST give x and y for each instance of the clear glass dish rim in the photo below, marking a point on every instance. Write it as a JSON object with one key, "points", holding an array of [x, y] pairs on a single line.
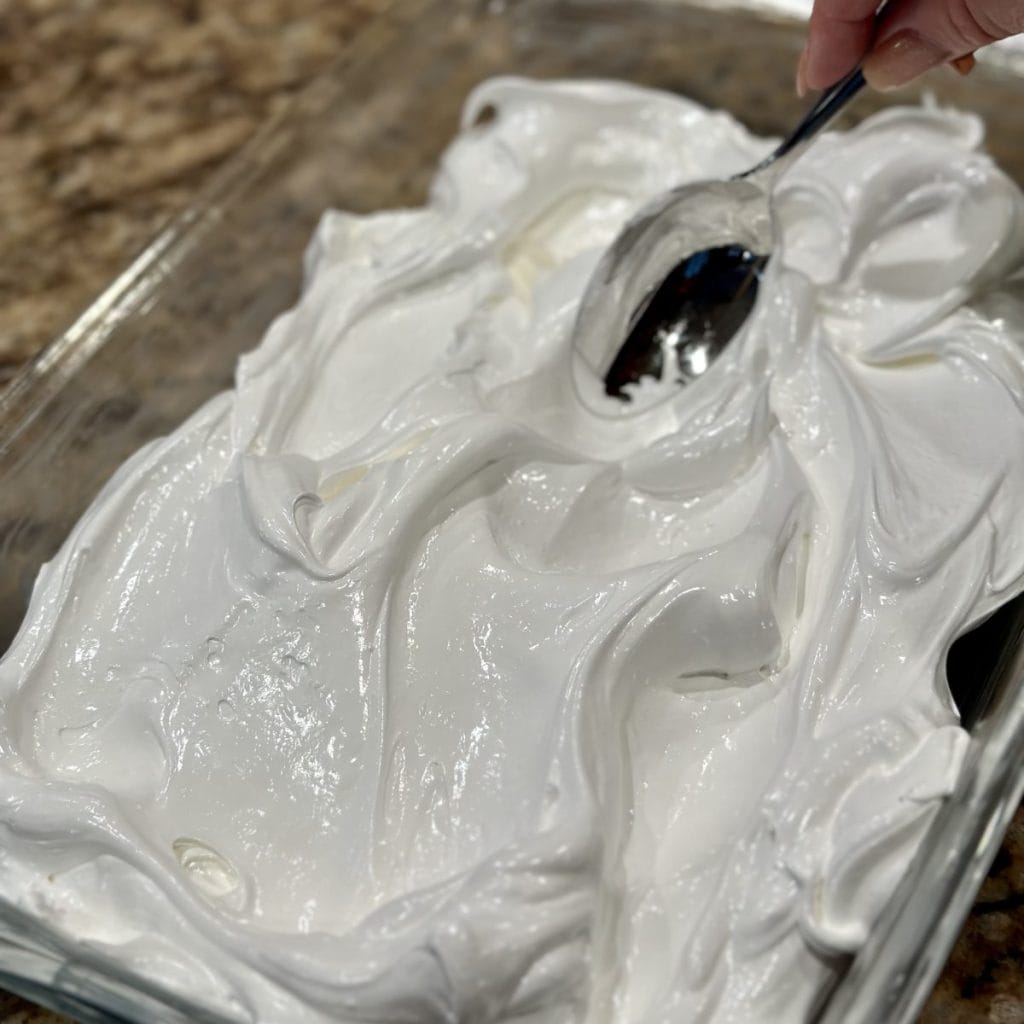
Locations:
{"points": [[892, 975]]}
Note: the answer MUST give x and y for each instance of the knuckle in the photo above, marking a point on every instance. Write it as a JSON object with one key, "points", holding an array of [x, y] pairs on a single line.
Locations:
{"points": [[1011, 17], [978, 22]]}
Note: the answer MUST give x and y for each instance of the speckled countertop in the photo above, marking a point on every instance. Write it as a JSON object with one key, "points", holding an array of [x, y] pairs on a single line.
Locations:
{"points": [[112, 112]]}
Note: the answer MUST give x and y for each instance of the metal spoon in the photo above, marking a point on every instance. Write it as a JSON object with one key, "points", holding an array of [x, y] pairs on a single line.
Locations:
{"points": [[646, 312]]}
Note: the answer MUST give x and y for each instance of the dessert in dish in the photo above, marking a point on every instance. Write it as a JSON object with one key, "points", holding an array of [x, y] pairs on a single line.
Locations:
{"points": [[399, 685]]}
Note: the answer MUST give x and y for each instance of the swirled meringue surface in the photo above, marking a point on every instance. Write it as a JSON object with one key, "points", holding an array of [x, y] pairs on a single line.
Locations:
{"points": [[397, 686]]}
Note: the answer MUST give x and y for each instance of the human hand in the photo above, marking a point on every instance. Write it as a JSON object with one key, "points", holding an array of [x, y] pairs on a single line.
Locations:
{"points": [[915, 35]]}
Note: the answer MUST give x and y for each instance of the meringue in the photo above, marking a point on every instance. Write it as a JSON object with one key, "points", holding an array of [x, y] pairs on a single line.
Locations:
{"points": [[400, 685]]}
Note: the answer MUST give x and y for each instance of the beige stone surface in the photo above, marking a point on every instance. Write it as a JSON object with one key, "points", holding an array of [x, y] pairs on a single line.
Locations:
{"points": [[112, 112]]}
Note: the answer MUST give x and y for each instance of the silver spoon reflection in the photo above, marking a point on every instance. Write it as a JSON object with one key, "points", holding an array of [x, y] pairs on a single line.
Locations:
{"points": [[645, 312]]}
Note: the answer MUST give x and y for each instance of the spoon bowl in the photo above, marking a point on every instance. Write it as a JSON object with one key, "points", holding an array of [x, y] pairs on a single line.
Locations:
{"points": [[681, 279], [648, 314]]}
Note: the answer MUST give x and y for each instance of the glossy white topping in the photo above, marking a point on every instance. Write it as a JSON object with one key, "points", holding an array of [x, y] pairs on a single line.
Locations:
{"points": [[396, 686]]}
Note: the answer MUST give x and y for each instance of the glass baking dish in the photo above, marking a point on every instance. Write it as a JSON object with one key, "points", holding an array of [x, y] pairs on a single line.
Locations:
{"points": [[164, 337]]}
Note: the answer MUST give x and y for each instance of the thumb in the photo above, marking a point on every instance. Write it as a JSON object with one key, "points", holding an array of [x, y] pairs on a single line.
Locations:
{"points": [[917, 35]]}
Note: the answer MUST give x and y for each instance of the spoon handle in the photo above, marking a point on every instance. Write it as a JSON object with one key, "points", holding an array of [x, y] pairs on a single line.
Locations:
{"points": [[830, 103], [832, 100]]}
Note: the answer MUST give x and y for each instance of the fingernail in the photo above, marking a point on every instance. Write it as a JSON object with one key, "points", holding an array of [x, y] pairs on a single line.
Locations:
{"points": [[900, 59], [801, 74], [963, 65]]}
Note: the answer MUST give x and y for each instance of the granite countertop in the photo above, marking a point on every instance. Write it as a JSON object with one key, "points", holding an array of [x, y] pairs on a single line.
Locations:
{"points": [[113, 112]]}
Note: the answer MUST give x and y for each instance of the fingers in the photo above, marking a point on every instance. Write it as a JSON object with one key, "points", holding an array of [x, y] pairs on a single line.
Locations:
{"points": [[841, 31], [915, 35], [921, 34]]}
